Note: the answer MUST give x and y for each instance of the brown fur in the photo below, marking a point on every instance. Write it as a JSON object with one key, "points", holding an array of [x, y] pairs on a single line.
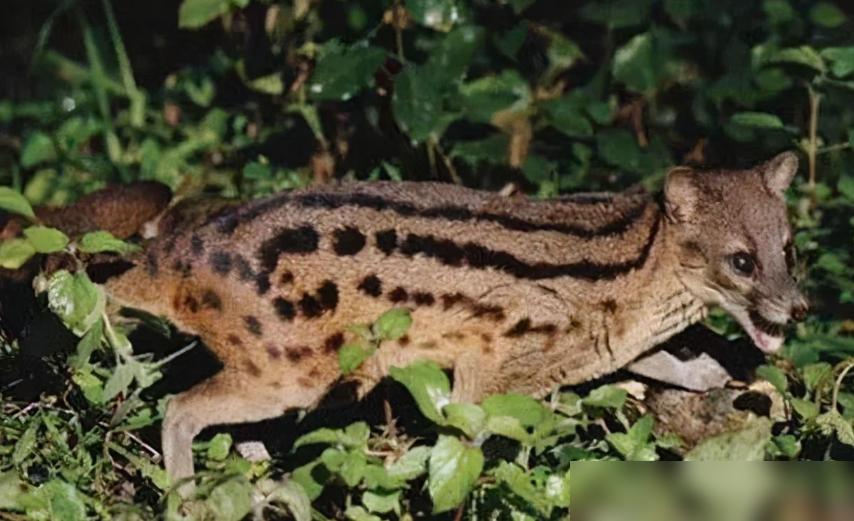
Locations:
{"points": [[514, 295]]}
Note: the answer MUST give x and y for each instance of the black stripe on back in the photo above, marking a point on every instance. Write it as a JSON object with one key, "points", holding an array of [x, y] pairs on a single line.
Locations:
{"points": [[289, 240], [476, 256]]}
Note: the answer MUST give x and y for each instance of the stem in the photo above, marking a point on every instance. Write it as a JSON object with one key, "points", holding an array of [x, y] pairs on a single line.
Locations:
{"points": [[833, 148], [815, 101], [121, 53], [836, 387], [398, 32]]}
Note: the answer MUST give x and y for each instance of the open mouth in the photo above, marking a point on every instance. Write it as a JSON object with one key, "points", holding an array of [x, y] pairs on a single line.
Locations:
{"points": [[766, 334]]}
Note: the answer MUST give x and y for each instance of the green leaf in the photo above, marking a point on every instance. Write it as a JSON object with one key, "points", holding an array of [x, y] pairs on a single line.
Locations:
{"points": [[633, 445], [566, 114], [342, 74], [482, 98], [312, 477], [38, 149], [757, 120], [441, 15], [13, 491], [522, 484], [87, 345], [428, 385], [826, 14], [355, 436], [454, 470], [219, 447], [26, 444], [841, 60], [528, 411], [351, 357], [198, 13], [271, 84], [520, 5], [846, 186], [75, 299], [61, 500], [15, 253], [46, 240], [775, 376], [118, 382], [636, 63], [509, 427], [746, 444], [450, 60], [607, 396], [12, 201], [815, 374], [804, 55], [467, 417], [91, 385], [101, 241], [357, 513], [618, 14], [806, 409], [392, 324], [381, 502], [778, 11], [411, 465], [417, 103], [232, 500], [290, 493], [832, 422], [788, 445]]}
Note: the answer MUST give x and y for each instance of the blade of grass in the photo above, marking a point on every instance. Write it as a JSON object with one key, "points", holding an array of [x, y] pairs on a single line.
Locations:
{"points": [[137, 97]]}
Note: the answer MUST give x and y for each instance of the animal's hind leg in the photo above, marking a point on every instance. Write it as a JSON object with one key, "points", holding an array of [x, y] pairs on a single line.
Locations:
{"points": [[228, 397]]}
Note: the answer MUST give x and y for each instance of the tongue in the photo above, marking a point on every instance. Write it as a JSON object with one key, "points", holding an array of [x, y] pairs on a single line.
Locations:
{"points": [[767, 343]]}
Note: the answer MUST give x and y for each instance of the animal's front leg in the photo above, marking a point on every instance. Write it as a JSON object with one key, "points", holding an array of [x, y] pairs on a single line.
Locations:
{"points": [[699, 374]]}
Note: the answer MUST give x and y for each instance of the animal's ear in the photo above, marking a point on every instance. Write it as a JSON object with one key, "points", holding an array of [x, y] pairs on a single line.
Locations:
{"points": [[680, 194], [779, 172]]}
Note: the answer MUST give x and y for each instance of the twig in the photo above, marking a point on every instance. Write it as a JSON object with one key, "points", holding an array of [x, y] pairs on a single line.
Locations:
{"points": [[836, 387], [815, 101], [460, 511]]}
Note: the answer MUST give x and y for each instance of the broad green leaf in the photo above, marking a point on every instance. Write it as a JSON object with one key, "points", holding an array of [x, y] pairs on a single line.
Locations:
{"points": [[815, 374], [118, 382], [428, 385], [633, 445], [417, 103], [467, 417], [75, 299], [25, 444], [832, 422], [219, 447], [509, 427], [61, 502], [804, 55], [607, 396], [522, 484], [511, 42], [441, 15], [353, 468], [636, 63], [562, 52], [412, 464], [522, 407], [91, 385], [358, 513], [841, 60], [76, 131], [450, 60], [12, 491], [492, 149], [15, 253], [618, 14], [291, 494], [271, 84], [826, 14], [392, 324], [454, 470], [87, 345], [312, 477], [101, 241], [12, 201], [381, 502], [351, 356], [355, 436], [231, 501], [342, 74], [483, 97], [38, 149], [198, 13], [746, 444], [46, 240], [566, 114], [806, 409], [846, 186], [775, 376], [557, 490], [757, 120], [778, 11], [787, 445]]}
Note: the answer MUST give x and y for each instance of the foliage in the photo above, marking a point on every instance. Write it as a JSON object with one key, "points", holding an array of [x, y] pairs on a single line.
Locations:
{"points": [[243, 98]]}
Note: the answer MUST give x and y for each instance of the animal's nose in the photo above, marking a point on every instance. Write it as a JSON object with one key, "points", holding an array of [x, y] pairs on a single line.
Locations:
{"points": [[799, 311]]}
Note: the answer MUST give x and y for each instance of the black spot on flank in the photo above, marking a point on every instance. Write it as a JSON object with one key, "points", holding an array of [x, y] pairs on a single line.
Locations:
{"points": [[253, 325], [494, 312], [285, 309], [221, 262], [196, 245], [210, 300], [404, 340], [450, 300], [151, 264], [262, 282], [295, 354], [423, 299], [286, 278], [387, 241], [398, 295], [444, 250], [333, 343], [310, 307], [244, 270], [519, 329], [234, 340], [181, 267], [328, 295], [348, 241], [288, 240], [371, 285]]}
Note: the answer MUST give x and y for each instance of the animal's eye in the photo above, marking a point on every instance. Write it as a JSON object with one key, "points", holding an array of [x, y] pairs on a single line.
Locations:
{"points": [[743, 263]]}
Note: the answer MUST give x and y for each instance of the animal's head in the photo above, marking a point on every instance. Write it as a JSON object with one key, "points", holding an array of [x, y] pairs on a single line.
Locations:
{"points": [[734, 243]]}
